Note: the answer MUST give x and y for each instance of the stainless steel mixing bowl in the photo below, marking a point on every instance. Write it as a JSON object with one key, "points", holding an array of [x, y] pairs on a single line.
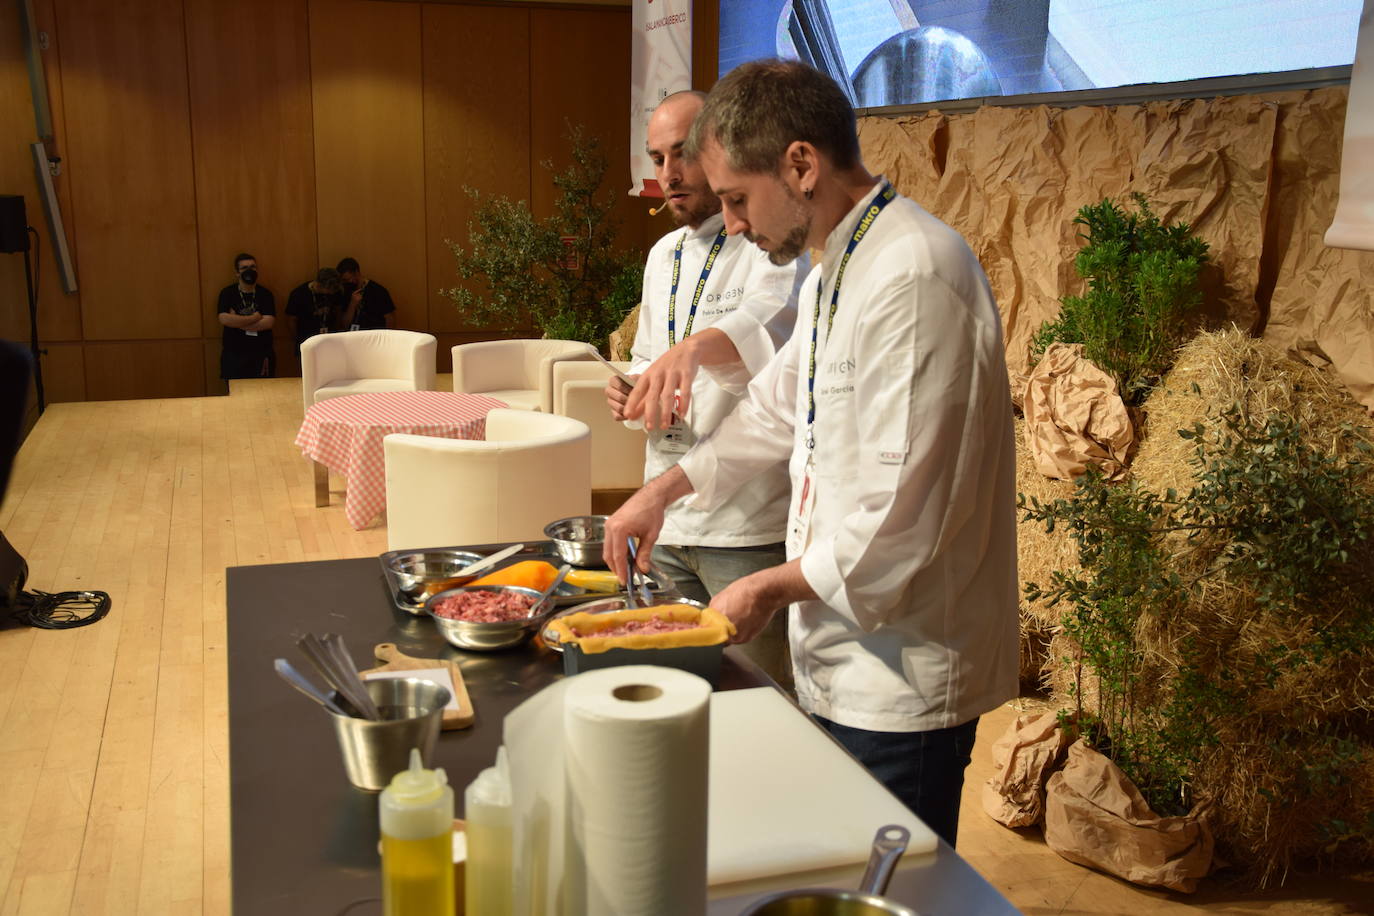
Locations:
{"points": [[485, 637], [578, 539]]}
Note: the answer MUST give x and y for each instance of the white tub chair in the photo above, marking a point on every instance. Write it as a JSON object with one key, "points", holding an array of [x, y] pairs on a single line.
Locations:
{"points": [[519, 372], [354, 362], [617, 451], [531, 469]]}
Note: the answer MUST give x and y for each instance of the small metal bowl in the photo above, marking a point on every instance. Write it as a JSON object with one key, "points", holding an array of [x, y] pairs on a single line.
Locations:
{"points": [[578, 539], [421, 573], [486, 637]]}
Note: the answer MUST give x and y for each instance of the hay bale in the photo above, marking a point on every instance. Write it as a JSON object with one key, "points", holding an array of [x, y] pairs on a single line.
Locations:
{"points": [[623, 337], [1038, 553], [1259, 764], [1230, 367]]}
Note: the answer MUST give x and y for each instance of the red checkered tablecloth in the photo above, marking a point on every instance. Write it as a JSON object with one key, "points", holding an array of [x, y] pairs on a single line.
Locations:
{"points": [[345, 435]]}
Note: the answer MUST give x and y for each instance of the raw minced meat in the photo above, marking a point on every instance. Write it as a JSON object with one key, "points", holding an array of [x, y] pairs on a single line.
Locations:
{"points": [[484, 607], [653, 625]]}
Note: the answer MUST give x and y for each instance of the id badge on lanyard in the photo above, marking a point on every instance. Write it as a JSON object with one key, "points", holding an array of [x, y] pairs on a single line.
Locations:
{"points": [[799, 523], [676, 440]]}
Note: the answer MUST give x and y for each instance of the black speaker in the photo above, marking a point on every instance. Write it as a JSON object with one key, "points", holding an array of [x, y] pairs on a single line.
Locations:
{"points": [[14, 235]]}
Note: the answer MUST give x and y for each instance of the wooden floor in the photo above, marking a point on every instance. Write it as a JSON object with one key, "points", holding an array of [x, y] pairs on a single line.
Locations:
{"points": [[114, 789]]}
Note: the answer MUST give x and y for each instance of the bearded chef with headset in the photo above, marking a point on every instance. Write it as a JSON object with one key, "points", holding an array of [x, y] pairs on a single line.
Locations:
{"points": [[713, 303], [891, 408]]}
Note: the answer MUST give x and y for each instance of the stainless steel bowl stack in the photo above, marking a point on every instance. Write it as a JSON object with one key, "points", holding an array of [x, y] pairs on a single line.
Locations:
{"points": [[485, 637], [421, 573], [578, 539]]}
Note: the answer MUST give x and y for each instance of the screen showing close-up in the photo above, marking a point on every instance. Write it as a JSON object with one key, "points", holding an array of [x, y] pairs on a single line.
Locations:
{"points": [[905, 52]]}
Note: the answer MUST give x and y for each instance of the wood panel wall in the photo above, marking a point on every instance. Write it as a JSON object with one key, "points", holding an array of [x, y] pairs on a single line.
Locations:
{"points": [[129, 164], [299, 130], [477, 134], [369, 143], [254, 151]]}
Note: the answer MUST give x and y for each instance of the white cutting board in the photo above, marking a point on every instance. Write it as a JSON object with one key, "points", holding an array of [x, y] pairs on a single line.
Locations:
{"points": [[788, 806]]}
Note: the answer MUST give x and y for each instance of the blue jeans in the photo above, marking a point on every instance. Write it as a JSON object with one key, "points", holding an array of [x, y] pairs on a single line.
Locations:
{"points": [[702, 572], [925, 770]]}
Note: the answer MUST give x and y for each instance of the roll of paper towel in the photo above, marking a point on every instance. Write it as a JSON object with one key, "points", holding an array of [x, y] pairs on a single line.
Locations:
{"points": [[609, 774], [637, 746]]}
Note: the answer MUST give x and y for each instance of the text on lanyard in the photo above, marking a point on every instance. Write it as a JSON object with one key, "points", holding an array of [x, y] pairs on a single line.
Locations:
{"points": [[885, 197], [701, 285]]}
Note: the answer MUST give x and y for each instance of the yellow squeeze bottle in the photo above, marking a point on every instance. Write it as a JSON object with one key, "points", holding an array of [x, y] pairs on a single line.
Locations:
{"points": [[417, 842]]}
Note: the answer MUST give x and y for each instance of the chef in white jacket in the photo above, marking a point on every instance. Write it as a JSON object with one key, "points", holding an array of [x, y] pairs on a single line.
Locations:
{"points": [[890, 406], [714, 311]]}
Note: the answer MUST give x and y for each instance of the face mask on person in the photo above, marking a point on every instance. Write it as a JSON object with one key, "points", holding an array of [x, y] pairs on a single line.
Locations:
{"points": [[249, 276]]}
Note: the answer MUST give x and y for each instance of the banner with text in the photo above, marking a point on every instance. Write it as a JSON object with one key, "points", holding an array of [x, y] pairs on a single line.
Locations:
{"points": [[661, 64]]}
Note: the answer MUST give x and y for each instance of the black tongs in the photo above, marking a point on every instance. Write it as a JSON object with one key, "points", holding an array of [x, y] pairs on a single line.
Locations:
{"points": [[636, 595]]}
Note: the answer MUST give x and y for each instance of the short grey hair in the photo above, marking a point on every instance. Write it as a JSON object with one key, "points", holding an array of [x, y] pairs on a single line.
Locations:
{"points": [[760, 108]]}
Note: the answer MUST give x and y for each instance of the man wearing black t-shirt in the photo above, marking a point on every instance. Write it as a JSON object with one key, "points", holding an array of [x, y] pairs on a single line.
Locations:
{"points": [[247, 312], [315, 307], [369, 303]]}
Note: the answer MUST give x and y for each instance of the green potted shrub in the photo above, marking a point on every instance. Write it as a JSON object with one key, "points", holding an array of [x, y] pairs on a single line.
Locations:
{"points": [[562, 274], [1143, 285], [1224, 637]]}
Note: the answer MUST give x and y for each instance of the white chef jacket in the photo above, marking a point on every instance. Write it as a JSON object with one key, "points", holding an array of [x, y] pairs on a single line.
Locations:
{"points": [[910, 543], [754, 302]]}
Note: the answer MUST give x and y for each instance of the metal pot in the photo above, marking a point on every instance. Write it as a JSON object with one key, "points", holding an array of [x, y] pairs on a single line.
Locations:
{"points": [[888, 847], [928, 64]]}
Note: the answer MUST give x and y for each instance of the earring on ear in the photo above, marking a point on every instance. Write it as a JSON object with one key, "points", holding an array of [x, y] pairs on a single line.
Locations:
{"points": [[807, 193]]}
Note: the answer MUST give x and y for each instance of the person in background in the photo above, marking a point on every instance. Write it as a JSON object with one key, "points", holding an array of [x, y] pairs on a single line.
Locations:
{"points": [[369, 304], [891, 407], [316, 306], [709, 301], [247, 311]]}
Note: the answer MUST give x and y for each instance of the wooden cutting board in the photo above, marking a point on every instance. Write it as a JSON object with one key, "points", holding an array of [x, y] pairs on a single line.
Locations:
{"points": [[396, 660]]}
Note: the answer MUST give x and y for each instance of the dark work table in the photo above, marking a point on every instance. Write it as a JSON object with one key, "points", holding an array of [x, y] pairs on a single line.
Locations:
{"points": [[303, 840]]}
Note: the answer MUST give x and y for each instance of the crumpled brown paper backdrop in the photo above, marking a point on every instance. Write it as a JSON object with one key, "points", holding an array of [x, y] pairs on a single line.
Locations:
{"points": [[1075, 417], [1022, 760], [1095, 816], [1256, 176]]}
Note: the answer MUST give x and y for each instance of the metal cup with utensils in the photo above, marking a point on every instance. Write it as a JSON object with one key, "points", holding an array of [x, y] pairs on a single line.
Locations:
{"points": [[888, 847], [375, 751]]}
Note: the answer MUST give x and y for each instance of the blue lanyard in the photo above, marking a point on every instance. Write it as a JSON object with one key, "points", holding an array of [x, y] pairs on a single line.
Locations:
{"points": [[885, 197], [701, 285]]}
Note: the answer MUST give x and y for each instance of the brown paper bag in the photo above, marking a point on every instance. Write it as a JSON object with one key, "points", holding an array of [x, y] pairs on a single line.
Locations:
{"points": [[1022, 760], [1095, 816], [1074, 416]]}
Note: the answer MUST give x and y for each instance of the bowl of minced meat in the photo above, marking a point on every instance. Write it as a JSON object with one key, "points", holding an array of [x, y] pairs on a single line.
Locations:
{"points": [[485, 617]]}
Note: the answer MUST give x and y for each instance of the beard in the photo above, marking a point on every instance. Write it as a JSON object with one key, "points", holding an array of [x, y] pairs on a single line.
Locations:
{"points": [[791, 246], [706, 206], [793, 242]]}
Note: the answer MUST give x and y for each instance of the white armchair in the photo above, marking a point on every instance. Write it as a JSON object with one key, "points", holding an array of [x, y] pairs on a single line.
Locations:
{"points": [[519, 372], [354, 362], [531, 469], [579, 391]]}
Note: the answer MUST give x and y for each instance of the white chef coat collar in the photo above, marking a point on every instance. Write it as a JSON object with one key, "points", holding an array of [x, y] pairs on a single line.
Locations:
{"points": [[708, 229], [844, 230]]}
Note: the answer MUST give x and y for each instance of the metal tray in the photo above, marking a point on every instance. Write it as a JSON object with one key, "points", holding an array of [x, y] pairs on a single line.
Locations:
{"points": [[566, 596], [605, 605]]}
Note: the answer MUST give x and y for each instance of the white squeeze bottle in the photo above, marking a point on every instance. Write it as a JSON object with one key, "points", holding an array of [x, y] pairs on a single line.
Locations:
{"points": [[487, 810], [417, 842]]}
